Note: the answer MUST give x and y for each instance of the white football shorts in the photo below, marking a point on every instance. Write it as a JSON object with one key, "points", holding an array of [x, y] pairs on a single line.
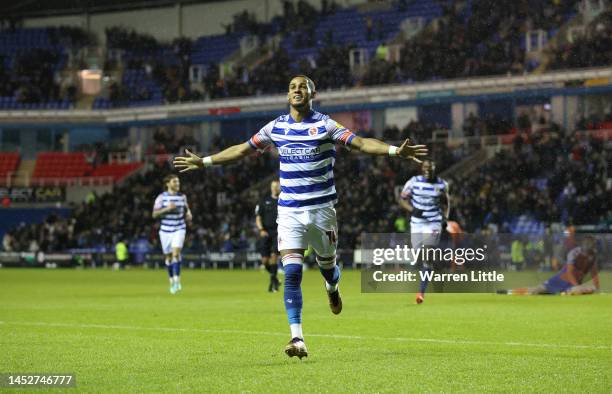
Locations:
{"points": [[171, 240], [315, 227], [425, 234]]}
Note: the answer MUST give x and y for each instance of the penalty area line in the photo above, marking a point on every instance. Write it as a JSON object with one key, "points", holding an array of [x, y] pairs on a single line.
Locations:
{"points": [[330, 336]]}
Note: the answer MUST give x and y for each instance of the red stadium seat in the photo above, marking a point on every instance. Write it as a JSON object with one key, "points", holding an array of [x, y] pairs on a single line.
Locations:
{"points": [[9, 161], [117, 171], [60, 165]]}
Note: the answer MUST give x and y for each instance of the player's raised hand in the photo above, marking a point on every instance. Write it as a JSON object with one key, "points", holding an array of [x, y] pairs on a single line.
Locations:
{"points": [[188, 163], [412, 151]]}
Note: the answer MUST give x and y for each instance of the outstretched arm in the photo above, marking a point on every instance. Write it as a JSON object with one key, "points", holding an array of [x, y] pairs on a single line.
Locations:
{"points": [[226, 156], [373, 146]]}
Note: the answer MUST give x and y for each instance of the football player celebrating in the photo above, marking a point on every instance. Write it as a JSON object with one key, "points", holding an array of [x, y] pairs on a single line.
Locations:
{"points": [[305, 140]]}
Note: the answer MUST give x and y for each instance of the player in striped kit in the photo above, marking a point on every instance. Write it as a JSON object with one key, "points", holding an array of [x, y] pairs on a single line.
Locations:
{"points": [[305, 140], [171, 206], [426, 197]]}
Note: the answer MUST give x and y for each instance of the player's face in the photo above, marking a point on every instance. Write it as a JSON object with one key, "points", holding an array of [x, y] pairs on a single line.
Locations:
{"points": [[275, 188], [299, 94], [428, 169], [174, 185]]}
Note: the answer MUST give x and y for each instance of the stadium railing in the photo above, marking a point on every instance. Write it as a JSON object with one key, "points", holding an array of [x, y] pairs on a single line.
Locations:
{"points": [[75, 181]]}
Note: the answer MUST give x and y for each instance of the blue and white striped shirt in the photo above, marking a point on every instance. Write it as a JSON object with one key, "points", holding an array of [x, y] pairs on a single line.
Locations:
{"points": [[307, 154], [425, 196], [174, 220]]}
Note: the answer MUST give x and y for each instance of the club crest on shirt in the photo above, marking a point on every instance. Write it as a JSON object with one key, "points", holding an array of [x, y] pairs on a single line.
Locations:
{"points": [[313, 131]]}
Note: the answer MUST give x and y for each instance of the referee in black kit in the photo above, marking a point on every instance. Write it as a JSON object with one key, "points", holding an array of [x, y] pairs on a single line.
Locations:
{"points": [[266, 213]]}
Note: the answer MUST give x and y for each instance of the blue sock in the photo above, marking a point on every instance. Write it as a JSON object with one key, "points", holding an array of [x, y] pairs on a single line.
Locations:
{"points": [[330, 271], [332, 276], [423, 284], [177, 268], [170, 269], [293, 293]]}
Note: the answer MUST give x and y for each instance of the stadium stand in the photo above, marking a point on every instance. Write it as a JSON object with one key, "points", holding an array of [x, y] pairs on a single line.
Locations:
{"points": [[478, 37], [220, 204], [459, 39], [545, 178], [117, 171], [590, 49], [60, 165], [8, 165], [223, 213], [31, 61]]}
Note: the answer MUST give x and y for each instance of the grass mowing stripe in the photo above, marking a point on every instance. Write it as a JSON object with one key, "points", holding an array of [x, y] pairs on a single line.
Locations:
{"points": [[331, 336]]}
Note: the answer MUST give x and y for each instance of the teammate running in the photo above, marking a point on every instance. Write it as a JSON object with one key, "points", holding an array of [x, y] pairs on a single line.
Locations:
{"points": [[426, 197], [305, 140], [173, 209]]}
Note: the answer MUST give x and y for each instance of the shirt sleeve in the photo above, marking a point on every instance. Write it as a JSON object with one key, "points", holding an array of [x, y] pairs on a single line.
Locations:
{"points": [[407, 190], [263, 138], [339, 133], [572, 255], [158, 203]]}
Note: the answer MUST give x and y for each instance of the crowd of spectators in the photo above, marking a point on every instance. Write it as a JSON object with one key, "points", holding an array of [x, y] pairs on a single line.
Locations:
{"points": [[33, 75], [484, 37], [593, 48], [223, 215], [166, 142], [33, 79], [548, 176], [479, 37], [220, 212], [545, 175]]}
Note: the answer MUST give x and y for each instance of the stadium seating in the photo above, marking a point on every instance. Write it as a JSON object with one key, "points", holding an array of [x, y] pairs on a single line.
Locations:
{"points": [[117, 171], [8, 164], [213, 49], [495, 45], [36, 43], [60, 165], [349, 26]]}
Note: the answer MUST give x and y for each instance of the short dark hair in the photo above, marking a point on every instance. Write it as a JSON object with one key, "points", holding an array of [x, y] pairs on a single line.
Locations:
{"points": [[309, 81], [168, 178]]}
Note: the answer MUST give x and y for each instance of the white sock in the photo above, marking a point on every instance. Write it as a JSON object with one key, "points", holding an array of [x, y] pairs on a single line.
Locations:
{"points": [[330, 288], [296, 330], [176, 279]]}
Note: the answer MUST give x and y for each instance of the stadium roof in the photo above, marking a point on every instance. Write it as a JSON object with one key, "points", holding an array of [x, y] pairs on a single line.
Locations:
{"points": [[31, 8]]}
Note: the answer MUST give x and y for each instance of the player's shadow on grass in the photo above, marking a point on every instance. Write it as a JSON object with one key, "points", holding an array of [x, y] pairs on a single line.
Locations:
{"points": [[281, 360]]}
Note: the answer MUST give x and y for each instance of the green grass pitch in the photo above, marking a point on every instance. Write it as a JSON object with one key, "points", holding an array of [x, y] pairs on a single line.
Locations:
{"points": [[123, 332]]}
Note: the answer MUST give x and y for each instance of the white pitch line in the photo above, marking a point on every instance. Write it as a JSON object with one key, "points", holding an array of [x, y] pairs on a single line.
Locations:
{"points": [[331, 336]]}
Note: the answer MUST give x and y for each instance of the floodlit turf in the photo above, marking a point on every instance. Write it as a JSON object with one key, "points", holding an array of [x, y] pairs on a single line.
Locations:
{"points": [[123, 332]]}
